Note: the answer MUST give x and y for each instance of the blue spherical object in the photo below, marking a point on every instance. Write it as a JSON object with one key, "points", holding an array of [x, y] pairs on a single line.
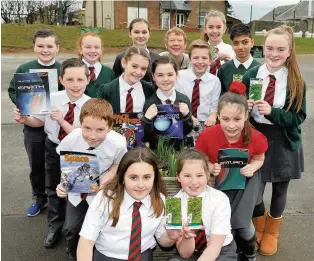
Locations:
{"points": [[162, 124]]}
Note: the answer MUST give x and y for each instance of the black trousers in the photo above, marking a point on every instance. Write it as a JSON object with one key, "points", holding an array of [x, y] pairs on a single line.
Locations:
{"points": [[34, 142], [56, 205], [73, 223]]}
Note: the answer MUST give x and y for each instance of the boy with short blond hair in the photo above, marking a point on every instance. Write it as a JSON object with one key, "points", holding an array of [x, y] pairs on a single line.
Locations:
{"points": [[64, 117], [175, 42], [94, 136], [45, 44], [242, 43], [202, 88]]}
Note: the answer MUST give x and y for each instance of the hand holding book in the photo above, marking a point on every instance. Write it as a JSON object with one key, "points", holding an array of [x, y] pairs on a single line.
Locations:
{"points": [[248, 171]]}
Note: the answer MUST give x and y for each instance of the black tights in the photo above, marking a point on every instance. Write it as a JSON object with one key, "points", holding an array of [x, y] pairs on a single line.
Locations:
{"points": [[278, 200]]}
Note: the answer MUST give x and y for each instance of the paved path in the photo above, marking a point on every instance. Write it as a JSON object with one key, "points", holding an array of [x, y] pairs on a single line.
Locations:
{"points": [[22, 237]]}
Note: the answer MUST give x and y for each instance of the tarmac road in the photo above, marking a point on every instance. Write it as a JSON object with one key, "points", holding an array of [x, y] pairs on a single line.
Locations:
{"points": [[22, 237]]}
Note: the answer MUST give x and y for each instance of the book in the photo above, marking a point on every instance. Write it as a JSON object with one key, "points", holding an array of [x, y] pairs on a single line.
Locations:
{"points": [[32, 96], [52, 81], [255, 92], [79, 172], [130, 126], [194, 215], [213, 52], [237, 77], [231, 161], [173, 213], [167, 122]]}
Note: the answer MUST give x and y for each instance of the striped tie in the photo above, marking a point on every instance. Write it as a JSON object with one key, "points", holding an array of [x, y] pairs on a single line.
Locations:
{"points": [[200, 241], [168, 101], [69, 117], [270, 91], [129, 101], [84, 195], [196, 97], [135, 240], [215, 65], [92, 73]]}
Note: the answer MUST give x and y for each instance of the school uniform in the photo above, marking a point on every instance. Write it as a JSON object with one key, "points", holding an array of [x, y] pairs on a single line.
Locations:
{"points": [[185, 62], [216, 213], [225, 49], [284, 159], [158, 98], [118, 70], [229, 70], [56, 205], [112, 243], [103, 74], [109, 152], [34, 138], [209, 91], [116, 91]]}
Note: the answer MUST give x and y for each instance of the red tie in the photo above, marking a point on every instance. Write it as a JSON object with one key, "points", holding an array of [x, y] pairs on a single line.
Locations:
{"points": [[196, 97], [84, 195], [270, 91], [129, 101], [136, 230], [92, 73], [168, 101], [69, 117], [200, 241], [215, 65]]}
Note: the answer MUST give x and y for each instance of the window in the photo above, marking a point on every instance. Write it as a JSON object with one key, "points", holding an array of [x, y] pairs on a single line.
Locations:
{"points": [[201, 19], [165, 21], [133, 13], [180, 20]]}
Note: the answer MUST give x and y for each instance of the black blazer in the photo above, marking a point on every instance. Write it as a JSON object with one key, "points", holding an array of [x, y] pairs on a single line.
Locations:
{"points": [[118, 70], [149, 131], [111, 93]]}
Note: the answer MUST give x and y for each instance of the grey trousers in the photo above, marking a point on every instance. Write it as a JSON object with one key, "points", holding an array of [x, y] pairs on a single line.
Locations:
{"points": [[146, 256]]}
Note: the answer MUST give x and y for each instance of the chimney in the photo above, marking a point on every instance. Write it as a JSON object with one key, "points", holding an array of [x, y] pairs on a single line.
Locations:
{"points": [[310, 9]]}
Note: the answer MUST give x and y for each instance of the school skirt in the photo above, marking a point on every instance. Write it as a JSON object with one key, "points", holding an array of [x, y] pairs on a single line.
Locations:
{"points": [[281, 164], [227, 253], [243, 202], [147, 255]]}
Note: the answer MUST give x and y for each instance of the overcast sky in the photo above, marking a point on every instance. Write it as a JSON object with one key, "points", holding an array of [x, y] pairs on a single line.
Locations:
{"points": [[242, 9]]}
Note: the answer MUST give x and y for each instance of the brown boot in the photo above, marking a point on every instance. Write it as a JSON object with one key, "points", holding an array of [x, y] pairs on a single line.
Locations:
{"points": [[269, 240], [259, 224]]}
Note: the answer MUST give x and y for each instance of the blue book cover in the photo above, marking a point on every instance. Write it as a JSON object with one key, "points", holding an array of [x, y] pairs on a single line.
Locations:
{"points": [[231, 161], [168, 123], [130, 126], [32, 93], [79, 172]]}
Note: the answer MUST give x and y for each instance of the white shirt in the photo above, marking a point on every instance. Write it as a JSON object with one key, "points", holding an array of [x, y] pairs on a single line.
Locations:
{"points": [[162, 97], [97, 67], [246, 64], [210, 88], [216, 212], [47, 64], [59, 100], [114, 241], [280, 90], [109, 152], [137, 95]]}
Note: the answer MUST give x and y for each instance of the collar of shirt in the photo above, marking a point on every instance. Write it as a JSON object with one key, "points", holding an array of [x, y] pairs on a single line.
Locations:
{"points": [[220, 45], [97, 66], [205, 77], [47, 64], [124, 86], [201, 195], [245, 64], [163, 97], [79, 103], [280, 75], [223, 140], [128, 201]]}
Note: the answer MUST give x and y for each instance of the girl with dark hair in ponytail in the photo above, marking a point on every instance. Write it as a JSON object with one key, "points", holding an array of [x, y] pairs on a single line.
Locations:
{"points": [[234, 131]]}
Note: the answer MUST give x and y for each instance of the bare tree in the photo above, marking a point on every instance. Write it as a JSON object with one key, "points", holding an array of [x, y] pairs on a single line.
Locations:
{"points": [[19, 9], [7, 11], [31, 11]]}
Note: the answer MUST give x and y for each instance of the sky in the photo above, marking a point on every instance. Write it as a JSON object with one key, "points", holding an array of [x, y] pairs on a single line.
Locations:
{"points": [[242, 9]]}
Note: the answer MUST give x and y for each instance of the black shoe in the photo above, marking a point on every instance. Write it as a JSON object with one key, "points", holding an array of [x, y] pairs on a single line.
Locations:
{"points": [[71, 254], [243, 257], [52, 239]]}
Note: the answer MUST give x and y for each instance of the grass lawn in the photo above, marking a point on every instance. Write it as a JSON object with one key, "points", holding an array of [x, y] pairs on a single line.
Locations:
{"points": [[20, 38]]}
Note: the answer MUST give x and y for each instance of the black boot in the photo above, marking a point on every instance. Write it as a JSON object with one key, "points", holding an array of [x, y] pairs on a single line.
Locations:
{"points": [[246, 249]]}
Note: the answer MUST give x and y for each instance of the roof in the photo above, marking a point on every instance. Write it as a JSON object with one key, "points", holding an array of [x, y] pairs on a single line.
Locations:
{"points": [[289, 12], [175, 5]]}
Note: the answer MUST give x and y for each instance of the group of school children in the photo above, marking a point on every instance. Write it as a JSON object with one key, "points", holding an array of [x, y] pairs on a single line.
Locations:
{"points": [[125, 218]]}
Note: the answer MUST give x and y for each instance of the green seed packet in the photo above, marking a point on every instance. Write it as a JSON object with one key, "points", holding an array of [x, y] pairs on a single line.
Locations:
{"points": [[173, 213], [194, 215], [213, 52], [256, 87], [237, 77]]}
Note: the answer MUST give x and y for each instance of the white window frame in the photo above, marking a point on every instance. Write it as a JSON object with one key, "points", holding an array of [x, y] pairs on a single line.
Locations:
{"points": [[133, 13], [181, 19]]}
